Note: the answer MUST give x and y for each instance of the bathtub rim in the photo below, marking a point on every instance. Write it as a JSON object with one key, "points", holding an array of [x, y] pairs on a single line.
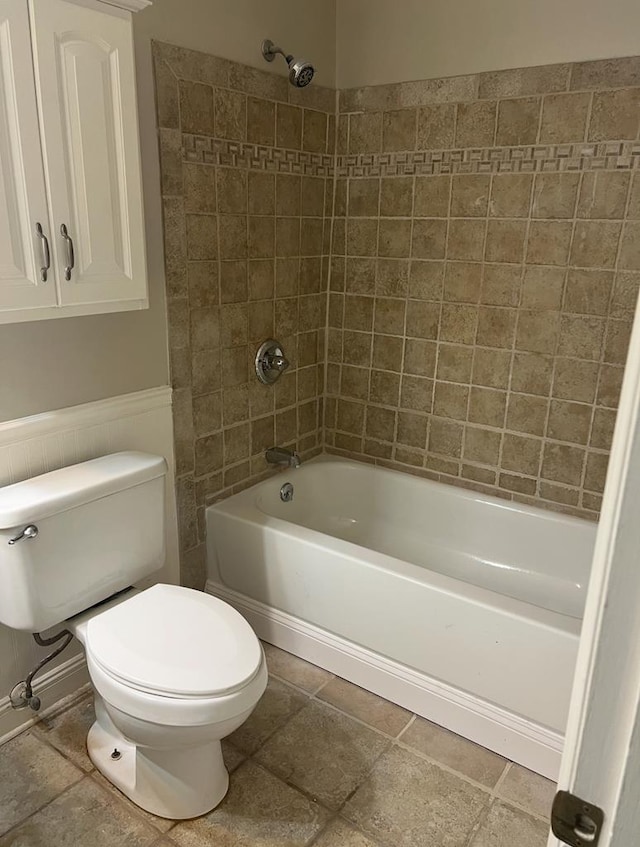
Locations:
{"points": [[512, 736]]}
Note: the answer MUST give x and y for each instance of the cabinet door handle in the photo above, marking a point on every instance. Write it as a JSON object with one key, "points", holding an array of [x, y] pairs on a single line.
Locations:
{"points": [[46, 256], [71, 259]]}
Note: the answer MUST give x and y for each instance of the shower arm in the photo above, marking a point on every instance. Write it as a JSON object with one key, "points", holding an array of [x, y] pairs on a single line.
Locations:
{"points": [[270, 50]]}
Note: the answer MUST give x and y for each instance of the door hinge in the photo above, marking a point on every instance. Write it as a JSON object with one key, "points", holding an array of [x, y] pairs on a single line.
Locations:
{"points": [[576, 822]]}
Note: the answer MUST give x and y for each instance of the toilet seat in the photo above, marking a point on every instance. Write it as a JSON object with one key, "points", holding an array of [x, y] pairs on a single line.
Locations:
{"points": [[170, 641]]}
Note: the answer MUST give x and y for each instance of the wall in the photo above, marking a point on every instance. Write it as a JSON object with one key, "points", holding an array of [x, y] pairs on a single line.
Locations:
{"points": [[484, 276], [247, 193], [380, 42]]}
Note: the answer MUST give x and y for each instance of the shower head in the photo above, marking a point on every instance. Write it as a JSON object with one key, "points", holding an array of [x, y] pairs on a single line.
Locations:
{"points": [[300, 72]]}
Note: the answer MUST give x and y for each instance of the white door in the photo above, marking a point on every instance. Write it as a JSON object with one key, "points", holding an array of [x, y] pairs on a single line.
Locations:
{"points": [[25, 280], [601, 760], [84, 65]]}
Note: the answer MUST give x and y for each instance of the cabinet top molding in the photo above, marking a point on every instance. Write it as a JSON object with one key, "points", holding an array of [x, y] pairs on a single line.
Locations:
{"points": [[130, 5]]}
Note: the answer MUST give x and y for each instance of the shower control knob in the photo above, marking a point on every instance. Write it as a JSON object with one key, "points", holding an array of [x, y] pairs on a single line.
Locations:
{"points": [[270, 361], [30, 531]]}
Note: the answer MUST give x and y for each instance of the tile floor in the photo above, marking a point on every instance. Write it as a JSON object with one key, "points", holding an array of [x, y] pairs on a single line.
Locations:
{"points": [[319, 762]]}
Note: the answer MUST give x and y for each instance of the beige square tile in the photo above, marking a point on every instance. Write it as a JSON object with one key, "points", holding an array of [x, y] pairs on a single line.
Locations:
{"points": [[575, 380], [505, 240], [470, 195], [529, 790], [202, 237], [32, 774], [261, 193], [84, 814], [518, 121], [362, 236], [531, 373], [166, 86], [462, 282], [581, 336], [392, 277], [454, 363], [436, 126], [294, 670], [231, 114], [588, 292], [445, 437], [505, 826], [196, 108], [429, 238], [314, 131], [521, 454], [615, 115], [367, 707], [279, 703], [261, 121], [258, 810], [394, 238], [387, 352], [625, 295], [501, 285], [364, 197], [416, 394], [426, 280], [412, 802], [454, 751], [606, 73], [491, 368], [518, 82], [487, 406], [564, 117], [562, 463], [396, 197], [342, 751], [458, 323], [399, 129], [511, 195], [365, 132], [602, 428], [199, 188], [630, 247], [232, 190], [596, 471], [465, 239], [360, 275], [482, 445], [341, 834], [609, 385], [432, 195], [633, 211], [420, 357], [569, 422], [288, 126], [412, 430], [389, 315], [555, 195], [549, 242], [451, 401], [537, 331], [476, 124], [603, 194], [527, 414], [542, 287], [595, 244], [616, 344], [67, 731], [381, 424]]}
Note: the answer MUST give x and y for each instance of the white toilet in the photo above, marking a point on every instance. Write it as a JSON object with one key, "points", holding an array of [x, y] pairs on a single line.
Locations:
{"points": [[174, 670]]}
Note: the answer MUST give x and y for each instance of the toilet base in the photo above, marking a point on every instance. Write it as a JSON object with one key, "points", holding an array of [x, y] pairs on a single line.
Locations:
{"points": [[177, 783]]}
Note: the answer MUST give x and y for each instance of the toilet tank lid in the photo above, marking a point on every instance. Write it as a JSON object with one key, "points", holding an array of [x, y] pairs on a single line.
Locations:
{"points": [[57, 491]]}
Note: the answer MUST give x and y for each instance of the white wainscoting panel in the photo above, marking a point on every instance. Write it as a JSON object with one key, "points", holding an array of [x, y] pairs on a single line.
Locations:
{"points": [[40, 443]]}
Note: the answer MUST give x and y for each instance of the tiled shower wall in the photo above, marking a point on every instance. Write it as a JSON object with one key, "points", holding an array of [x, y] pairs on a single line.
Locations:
{"points": [[486, 259], [247, 186], [484, 268]]}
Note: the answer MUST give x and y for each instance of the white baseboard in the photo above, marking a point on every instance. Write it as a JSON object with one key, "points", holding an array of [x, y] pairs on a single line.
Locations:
{"points": [[52, 686], [512, 736]]}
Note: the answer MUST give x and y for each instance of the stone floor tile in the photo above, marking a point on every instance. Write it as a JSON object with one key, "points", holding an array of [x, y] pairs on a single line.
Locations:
{"points": [[505, 826], [82, 815], [341, 834], [259, 811], [323, 752], [160, 824], [278, 703], [294, 670], [528, 789], [456, 752], [231, 755], [67, 732], [31, 774], [367, 707], [411, 802]]}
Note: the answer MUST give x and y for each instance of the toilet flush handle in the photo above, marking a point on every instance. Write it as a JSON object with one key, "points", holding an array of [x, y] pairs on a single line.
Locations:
{"points": [[30, 531]]}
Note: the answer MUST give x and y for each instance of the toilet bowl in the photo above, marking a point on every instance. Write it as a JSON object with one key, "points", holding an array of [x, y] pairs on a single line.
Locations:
{"points": [[174, 671]]}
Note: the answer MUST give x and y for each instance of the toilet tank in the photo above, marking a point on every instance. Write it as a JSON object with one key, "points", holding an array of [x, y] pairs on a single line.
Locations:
{"points": [[100, 528]]}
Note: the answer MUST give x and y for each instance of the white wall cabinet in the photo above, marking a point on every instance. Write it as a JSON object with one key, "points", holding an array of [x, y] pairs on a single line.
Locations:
{"points": [[71, 220]]}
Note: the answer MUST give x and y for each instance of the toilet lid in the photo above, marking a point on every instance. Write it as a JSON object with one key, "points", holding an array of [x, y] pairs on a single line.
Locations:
{"points": [[175, 641]]}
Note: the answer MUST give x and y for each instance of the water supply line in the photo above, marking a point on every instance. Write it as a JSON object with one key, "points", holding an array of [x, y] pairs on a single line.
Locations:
{"points": [[22, 694]]}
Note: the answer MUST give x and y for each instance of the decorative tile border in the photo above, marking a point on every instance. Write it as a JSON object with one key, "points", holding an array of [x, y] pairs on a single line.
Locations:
{"points": [[237, 154], [550, 158]]}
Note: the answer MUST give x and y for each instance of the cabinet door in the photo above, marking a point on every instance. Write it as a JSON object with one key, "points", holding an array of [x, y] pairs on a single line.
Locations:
{"points": [[85, 78], [23, 202]]}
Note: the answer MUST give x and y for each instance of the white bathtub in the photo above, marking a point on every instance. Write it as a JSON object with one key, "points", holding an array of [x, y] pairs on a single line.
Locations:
{"points": [[461, 607]]}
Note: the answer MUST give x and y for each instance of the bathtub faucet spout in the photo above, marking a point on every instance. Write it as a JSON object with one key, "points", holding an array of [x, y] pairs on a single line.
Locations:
{"points": [[282, 456]]}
